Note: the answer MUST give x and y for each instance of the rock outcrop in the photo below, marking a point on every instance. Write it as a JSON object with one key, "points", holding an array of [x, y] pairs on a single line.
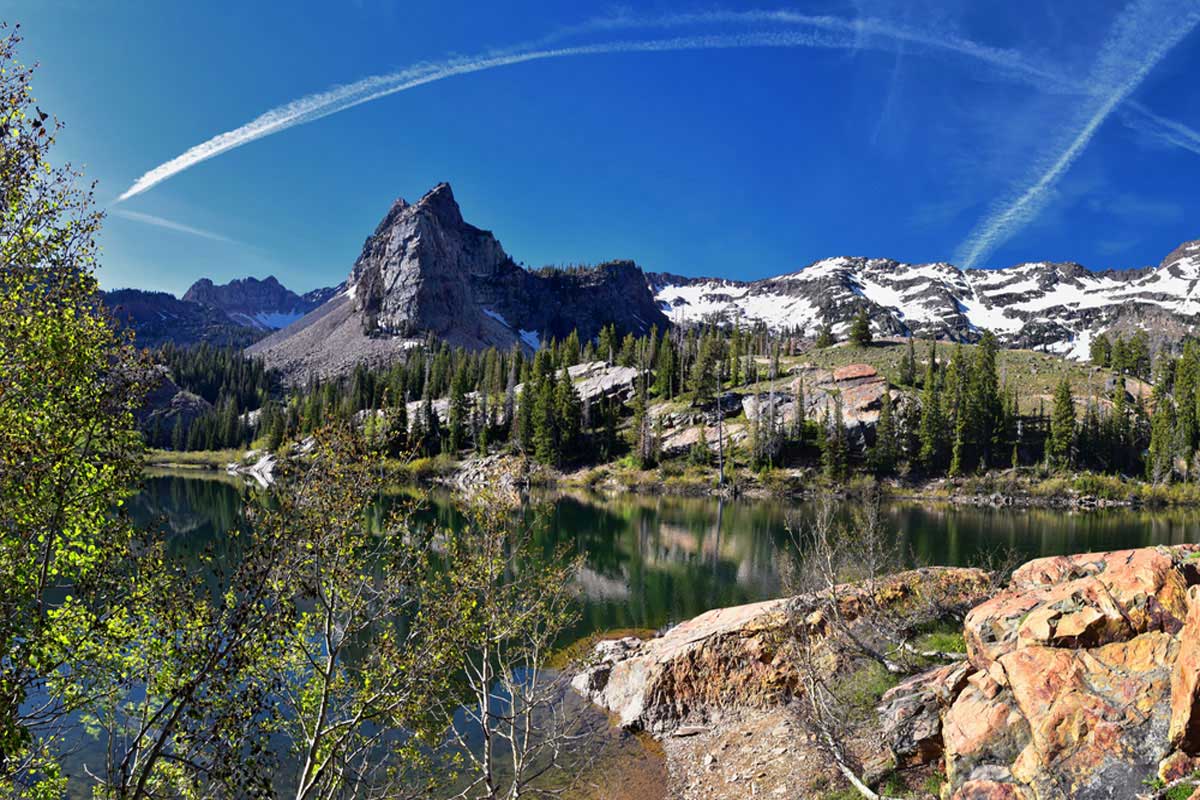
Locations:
{"points": [[858, 387], [1084, 678], [734, 657], [426, 271], [1081, 679], [166, 405]]}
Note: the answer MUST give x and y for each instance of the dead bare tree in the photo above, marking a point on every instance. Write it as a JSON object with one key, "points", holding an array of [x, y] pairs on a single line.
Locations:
{"points": [[522, 725], [851, 609]]}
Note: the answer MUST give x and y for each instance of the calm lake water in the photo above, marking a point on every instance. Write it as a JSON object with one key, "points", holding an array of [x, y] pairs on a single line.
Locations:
{"points": [[651, 561]]}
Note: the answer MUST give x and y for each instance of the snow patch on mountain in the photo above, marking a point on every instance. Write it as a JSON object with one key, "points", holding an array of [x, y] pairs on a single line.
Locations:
{"points": [[1058, 307]]}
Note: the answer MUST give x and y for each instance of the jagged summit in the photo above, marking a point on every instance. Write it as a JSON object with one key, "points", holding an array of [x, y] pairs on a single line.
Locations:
{"points": [[425, 270]]}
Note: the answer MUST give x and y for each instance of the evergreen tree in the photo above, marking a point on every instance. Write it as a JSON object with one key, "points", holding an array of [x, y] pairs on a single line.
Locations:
{"points": [[860, 329], [883, 453], [545, 427], [606, 347], [641, 434], [664, 370], [458, 410], [908, 365], [1119, 360], [1160, 456], [1138, 354], [1100, 351], [834, 454], [705, 378], [824, 336], [1061, 441], [933, 422], [571, 349], [568, 416], [799, 412]]}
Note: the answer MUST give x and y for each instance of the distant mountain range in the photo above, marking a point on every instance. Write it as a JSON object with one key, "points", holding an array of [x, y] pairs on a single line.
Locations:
{"points": [[1057, 307], [425, 271], [237, 313]]}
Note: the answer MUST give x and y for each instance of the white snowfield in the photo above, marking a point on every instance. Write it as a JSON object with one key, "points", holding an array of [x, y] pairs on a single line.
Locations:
{"points": [[926, 298]]}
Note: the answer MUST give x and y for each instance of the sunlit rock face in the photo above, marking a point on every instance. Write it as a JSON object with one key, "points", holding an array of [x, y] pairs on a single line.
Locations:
{"points": [[427, 272], [1084, 681]]}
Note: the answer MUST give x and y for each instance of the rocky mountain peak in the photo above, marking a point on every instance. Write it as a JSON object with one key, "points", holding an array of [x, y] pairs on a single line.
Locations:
{"points": [[1057, 306], [425, 270], [440, 202]]}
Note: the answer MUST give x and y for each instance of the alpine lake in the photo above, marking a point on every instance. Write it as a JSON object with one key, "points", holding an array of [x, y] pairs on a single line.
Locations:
{"points": [[652, 561]]}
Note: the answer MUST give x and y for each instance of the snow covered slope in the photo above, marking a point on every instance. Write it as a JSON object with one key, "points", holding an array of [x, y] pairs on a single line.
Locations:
{"points": [[1050, 306]]}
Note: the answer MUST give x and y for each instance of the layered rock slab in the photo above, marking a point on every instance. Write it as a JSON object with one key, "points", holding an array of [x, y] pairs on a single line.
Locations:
{"points": [[736, 657], [1079, 690]]}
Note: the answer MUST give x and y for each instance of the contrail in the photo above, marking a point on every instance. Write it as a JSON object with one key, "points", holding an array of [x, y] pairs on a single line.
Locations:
{"points": [[340, 98], [827, 32], [1167, 130], [824, 32], [179, 227], [1128, 56]]}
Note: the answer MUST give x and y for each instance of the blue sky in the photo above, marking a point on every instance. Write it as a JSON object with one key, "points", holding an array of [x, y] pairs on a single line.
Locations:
{"points": [[737, 140]]}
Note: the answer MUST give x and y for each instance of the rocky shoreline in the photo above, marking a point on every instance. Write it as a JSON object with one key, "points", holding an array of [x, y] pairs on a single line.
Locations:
{"points": [[1081, 679]]}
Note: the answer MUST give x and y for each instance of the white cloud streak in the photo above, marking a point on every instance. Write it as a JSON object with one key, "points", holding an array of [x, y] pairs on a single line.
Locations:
{"points": [[316, 106], [786, 29], [178, 227], [1143, 33], [817, 31]]}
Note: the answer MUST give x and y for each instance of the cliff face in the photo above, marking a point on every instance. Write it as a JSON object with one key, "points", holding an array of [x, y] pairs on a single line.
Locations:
{"points": [[426, 271]]}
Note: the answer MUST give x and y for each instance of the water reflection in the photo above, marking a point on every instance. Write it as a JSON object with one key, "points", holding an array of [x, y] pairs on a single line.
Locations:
{"points": [[650, 561]]}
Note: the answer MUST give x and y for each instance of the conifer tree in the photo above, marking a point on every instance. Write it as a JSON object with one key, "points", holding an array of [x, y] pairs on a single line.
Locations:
{"points": [[908, 364], [860, 329], [568, 416], [1060, 442], [1160, 456], [545, 427], [933, 423], [883, 453], [824, 336], [1100, 351], [834, 455], [458, 410]]}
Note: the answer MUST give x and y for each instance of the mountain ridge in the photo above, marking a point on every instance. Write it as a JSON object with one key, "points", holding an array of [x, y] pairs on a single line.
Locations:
{"points": [[1053, 306]]}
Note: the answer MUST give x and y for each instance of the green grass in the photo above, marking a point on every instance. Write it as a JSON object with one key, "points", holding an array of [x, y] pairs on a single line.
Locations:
{"points": [[1181, 792], [862, 688], [213, 459], [1033, 375], [423, 469], [945, 638]]}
